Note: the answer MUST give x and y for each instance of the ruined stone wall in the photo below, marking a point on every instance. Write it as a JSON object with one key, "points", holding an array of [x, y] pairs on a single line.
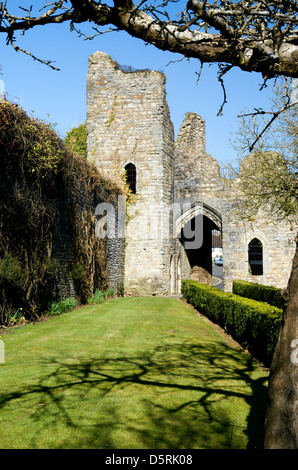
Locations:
{"points": [[197, 173], [198, 179], [128, 121]]}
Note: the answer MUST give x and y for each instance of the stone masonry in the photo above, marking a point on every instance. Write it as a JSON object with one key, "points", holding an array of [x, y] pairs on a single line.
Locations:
{"points": [[128, 121]]}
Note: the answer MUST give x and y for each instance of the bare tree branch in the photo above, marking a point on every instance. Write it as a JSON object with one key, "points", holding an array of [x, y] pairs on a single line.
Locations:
{"points": [[255, 36], [45, 62], [222, 72], [274, 114]]}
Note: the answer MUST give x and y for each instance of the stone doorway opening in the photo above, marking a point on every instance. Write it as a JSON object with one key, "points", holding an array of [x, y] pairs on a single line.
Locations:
{"points": [[195, 229], [199, 259]]}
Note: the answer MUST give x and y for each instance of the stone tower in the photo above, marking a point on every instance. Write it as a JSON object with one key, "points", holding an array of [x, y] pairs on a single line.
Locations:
{"points": [[128, 123]]}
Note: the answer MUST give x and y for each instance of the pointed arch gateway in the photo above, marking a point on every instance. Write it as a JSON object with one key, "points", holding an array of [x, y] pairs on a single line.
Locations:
{"points": [[199, 219], [197, 208]]}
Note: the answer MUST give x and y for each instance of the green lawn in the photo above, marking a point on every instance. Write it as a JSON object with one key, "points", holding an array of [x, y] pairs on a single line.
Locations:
{"points": [[132, 373]]}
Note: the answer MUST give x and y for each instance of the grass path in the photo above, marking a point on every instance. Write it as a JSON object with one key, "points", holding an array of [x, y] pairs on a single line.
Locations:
{"points": [[132, 373]]}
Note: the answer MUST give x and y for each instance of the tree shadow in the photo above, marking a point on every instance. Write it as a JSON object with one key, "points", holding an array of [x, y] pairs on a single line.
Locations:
{"points": [[187, 394]]}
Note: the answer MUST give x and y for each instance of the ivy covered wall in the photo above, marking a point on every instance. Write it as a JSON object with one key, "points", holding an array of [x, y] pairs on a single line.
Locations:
{"points": [[48, 243]]}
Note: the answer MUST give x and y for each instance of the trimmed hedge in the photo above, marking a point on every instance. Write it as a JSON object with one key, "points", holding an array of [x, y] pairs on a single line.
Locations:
{"points": [[251, 290], [254, 325]]}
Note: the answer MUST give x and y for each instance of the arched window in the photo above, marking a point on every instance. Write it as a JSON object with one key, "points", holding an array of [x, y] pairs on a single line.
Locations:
{"points": [[131, 177], [255, 257]]}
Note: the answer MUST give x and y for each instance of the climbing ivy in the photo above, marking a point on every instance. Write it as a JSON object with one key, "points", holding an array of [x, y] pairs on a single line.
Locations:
{"points": [[76, 140], [47, 199]]}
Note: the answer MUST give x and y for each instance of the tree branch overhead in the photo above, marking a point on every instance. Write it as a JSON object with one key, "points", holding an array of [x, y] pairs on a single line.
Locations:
{"points": [[254, 36]]}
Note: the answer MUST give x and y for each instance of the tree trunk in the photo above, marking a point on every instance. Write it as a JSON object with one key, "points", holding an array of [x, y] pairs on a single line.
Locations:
{"points": [[281, 425]]}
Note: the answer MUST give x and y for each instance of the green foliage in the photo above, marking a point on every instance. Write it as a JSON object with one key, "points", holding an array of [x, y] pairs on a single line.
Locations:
{"points": [[32, 140], [77, 271], [96, 298], [120, 289], [109, 293], [100, 296], [76, 140], [255, 325], [10, 270], [15, 317], [251, 290], [44, 154], [62, 306]]}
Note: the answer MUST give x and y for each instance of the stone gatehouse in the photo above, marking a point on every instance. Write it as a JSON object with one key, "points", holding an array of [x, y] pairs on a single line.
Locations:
{"points": [[179, 194]]}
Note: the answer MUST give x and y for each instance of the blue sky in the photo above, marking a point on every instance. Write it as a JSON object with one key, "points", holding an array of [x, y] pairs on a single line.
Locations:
{"points": [[62, 95]]}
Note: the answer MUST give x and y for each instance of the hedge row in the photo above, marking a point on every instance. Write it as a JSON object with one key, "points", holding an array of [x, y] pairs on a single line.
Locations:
{"points": [[254, 325], [251, 290]]}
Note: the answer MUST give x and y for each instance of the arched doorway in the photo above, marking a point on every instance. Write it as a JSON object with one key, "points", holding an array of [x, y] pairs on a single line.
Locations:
{"points": [[201, 220]]}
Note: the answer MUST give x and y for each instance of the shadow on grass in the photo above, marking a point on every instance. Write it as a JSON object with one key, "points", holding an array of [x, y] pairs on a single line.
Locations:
{"points": [[180, 395]]}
